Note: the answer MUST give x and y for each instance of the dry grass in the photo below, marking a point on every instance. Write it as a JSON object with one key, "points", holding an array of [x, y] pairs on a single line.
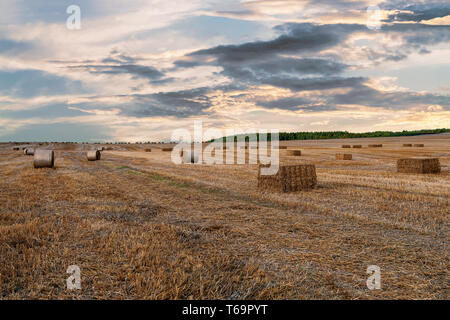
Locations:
{"points": [[141, 227]]}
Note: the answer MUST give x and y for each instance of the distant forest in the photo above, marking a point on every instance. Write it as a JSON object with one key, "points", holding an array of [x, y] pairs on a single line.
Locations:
{"points": [[345, 134]]}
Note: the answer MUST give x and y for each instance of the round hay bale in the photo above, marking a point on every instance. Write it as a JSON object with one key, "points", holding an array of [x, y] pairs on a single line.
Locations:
{"points": [[148, 150], [16, 148], [190, 157], [44, 159], [28, 151], [93, 155], [294, 152]]}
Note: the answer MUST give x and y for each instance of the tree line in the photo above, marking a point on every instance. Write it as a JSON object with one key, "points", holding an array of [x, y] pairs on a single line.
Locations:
{"points": [[318, 135]]}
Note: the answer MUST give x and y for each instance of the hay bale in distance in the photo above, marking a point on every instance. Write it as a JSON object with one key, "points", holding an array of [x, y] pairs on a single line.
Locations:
{"points": [[357, 146], [419, 145], [346, 146], [289, 178], [28, 151], [407, 145], [375, 145], [294, 152], [418, 165], [167, 149], [344, 156], [148, 150], [93, 155], [282, 147], [44, 158], [16, 148]]}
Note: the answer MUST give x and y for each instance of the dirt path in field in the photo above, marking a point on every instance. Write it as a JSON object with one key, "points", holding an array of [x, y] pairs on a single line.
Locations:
{"points": [[142, 228]]}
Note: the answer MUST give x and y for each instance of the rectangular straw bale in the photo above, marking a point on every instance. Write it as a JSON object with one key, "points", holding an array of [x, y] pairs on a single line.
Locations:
{"points": [[167, 149], [419, 145], [148, 150], [343, 156], [407, 145], [282, 147], [289, 178], [418, 165], [375, 145], [357, 146], [346, 146], [294, 152]]}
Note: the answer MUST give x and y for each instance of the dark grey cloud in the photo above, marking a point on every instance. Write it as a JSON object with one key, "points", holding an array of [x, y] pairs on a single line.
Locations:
{"points": [[137, 71], [322, 83], [294, 38], [118, 63], [418, 11], [294, 104], [178, 104], [389, 100], [305, 66], [417, 35]]}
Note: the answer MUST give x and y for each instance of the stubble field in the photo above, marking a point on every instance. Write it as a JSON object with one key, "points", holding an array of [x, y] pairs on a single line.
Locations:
{"points": [[141, 227]]}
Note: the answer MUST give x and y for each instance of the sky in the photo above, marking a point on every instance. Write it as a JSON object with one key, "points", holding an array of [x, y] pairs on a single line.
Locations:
{"points": [[137, 70]]}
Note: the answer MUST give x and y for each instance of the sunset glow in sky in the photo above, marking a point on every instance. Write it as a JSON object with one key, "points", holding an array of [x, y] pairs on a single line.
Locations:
{"points": [[137, 70]]}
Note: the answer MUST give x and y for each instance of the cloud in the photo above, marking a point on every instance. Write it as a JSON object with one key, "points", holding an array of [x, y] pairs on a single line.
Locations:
{"points": [[11, 47], [33, 83], [295, 38], [295, 104], [365, 95], [419, 12], [178, 104]]}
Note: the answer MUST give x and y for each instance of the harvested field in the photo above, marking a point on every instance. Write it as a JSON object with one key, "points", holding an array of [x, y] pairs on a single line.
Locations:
{"points": [[141, 227], [343, 156]]}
